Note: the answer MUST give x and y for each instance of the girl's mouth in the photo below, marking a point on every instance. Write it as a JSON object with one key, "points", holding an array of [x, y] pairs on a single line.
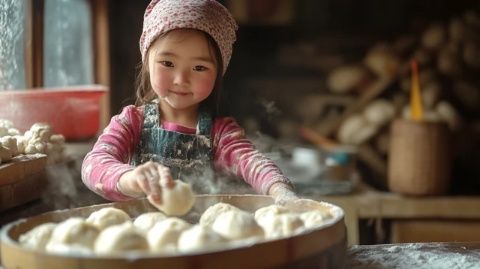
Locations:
{"points": [[180, 93]]}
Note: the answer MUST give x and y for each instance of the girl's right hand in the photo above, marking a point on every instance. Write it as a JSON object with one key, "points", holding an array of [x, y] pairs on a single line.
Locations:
{"points": [[148, 178]]}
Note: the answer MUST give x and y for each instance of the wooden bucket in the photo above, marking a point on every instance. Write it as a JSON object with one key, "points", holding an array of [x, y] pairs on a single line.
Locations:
{"points": [[419, 158], [323, 247]]}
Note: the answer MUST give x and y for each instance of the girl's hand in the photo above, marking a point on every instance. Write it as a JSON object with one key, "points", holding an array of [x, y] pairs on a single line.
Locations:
{"points": [[282, 193], [146, 179]]}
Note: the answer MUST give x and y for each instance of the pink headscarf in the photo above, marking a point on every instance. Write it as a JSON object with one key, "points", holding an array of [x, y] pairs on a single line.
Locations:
{"points": [[209, 16]]}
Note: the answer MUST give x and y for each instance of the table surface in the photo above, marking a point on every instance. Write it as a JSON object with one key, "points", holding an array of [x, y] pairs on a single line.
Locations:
{"points": [[414, 255]]}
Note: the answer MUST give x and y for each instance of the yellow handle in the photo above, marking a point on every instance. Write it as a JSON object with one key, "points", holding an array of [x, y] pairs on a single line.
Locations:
{"points": [[416, 108]]}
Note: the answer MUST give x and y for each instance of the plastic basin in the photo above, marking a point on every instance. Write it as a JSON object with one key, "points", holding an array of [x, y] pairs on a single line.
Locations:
{"points": [[71, 111]]}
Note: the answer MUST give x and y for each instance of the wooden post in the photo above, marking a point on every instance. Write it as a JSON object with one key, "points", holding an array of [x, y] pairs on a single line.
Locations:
{"points": [[101, 54]]}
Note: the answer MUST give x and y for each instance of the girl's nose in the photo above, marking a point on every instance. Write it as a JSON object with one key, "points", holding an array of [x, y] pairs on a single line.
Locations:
{"points": [[182, 77]]}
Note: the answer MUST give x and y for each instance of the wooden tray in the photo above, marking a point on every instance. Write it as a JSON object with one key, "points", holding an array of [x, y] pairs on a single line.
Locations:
{"points": [[22, 179], [323, 247]]}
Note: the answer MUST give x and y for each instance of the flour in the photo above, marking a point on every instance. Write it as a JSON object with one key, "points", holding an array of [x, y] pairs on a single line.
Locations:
{"points": [[415, 255]]}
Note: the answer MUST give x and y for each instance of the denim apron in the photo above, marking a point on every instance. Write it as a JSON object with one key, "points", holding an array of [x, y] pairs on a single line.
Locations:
{"points": [[189, 156]]}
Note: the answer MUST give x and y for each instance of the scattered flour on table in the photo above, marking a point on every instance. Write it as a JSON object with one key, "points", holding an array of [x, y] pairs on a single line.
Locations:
{"points": [[415, 255]]}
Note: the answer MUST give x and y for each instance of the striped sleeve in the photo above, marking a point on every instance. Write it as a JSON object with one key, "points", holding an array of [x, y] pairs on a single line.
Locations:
{"points": [[234, 153], [111, 154]]}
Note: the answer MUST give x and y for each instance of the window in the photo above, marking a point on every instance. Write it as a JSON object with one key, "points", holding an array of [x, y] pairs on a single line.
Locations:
{"points": [[12, 41], [46, 43], [67, 43]]}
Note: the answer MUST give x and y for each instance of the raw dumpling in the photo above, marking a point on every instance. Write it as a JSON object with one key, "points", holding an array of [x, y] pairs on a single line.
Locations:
{"points": [[209, 216], [178, 200], [38, 237], [73, 235], [120, 238], [146, 221], [314, 218], [198, 238], [163, 237], [108, 216], [265, 213], [276, 226], [237, 224]]}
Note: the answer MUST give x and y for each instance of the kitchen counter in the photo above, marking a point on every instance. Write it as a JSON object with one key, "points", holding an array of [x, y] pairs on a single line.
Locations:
{"points": [[414, 255]]}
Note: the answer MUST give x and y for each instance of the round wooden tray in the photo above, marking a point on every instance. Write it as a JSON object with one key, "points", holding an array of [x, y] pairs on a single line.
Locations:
{"points": [[323, 247]]}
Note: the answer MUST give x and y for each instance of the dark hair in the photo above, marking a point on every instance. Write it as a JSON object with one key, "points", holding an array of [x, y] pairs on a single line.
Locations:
{"points": [[145, 93]]}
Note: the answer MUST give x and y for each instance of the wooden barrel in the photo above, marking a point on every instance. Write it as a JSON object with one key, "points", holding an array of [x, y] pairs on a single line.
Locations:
{"points": [[323, 247], [419, 158]]}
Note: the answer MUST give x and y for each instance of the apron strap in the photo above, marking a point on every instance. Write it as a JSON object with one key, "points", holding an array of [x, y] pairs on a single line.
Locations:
{"points": [[151, 116]]}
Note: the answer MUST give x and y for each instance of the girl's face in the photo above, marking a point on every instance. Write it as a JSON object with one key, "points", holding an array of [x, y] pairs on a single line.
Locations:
{"points": [[182, 69]]}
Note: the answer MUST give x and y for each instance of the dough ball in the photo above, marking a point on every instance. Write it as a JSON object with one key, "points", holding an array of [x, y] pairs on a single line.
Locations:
{"points": [[163, 236], [276, 226], [178, 200], [314, 218], [120, 238], [73, 235], [200, 238], [146, 221], [38, 237], [108, 216], [209, 216], [265, 213], [237, 224]]}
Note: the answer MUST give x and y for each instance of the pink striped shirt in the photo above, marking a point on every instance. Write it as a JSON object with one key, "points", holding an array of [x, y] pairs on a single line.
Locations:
{"points": [[114, 149]]}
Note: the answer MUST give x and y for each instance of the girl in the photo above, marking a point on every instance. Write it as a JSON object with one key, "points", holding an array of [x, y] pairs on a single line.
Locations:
{"points": [[173, 130]]}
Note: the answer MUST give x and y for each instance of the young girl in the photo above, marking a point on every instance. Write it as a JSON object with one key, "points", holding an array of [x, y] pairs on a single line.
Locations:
{"points": [[173, 130]]}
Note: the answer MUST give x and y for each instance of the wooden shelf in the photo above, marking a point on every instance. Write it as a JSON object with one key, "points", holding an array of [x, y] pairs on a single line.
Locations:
{"points": [[367, 203]]}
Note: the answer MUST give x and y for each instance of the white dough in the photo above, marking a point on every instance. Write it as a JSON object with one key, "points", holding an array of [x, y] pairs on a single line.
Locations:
{"points": [[73, 235], [178, 200], [265, 213], [108, 216], [198, 238], [209, 216], [38, 237], [276, 226], [314, 218], [120, 238], [146, 221], [237, 224], [163, 237]]}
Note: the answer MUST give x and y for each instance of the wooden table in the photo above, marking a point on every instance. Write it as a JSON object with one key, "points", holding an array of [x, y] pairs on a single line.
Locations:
{"points": [[367, 203]]}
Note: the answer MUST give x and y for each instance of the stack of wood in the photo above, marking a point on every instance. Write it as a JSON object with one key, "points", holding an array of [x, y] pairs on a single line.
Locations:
{"points": [[448, 54]]}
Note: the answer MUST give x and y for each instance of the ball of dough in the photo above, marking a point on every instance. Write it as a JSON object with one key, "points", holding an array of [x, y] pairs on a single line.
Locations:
{"points": [[314, 218], [163, 237], [200, 238], [178, 200], [265, 213], [73, 235], [283, 225], [119, 238], [237, 224], [146, 221], [209, 216], [38, 237], [108, 216]]}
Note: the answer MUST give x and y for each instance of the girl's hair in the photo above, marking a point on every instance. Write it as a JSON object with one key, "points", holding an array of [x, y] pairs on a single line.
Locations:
{"points": [[145, 93]]}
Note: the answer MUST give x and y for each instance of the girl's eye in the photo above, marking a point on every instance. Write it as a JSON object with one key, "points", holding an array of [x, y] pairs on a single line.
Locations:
{"points": [[166, 63], [199, 68]]}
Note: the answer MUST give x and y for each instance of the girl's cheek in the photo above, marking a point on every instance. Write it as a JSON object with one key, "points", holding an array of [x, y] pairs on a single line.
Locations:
{"points": [[206, 85], [160, 82]]}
